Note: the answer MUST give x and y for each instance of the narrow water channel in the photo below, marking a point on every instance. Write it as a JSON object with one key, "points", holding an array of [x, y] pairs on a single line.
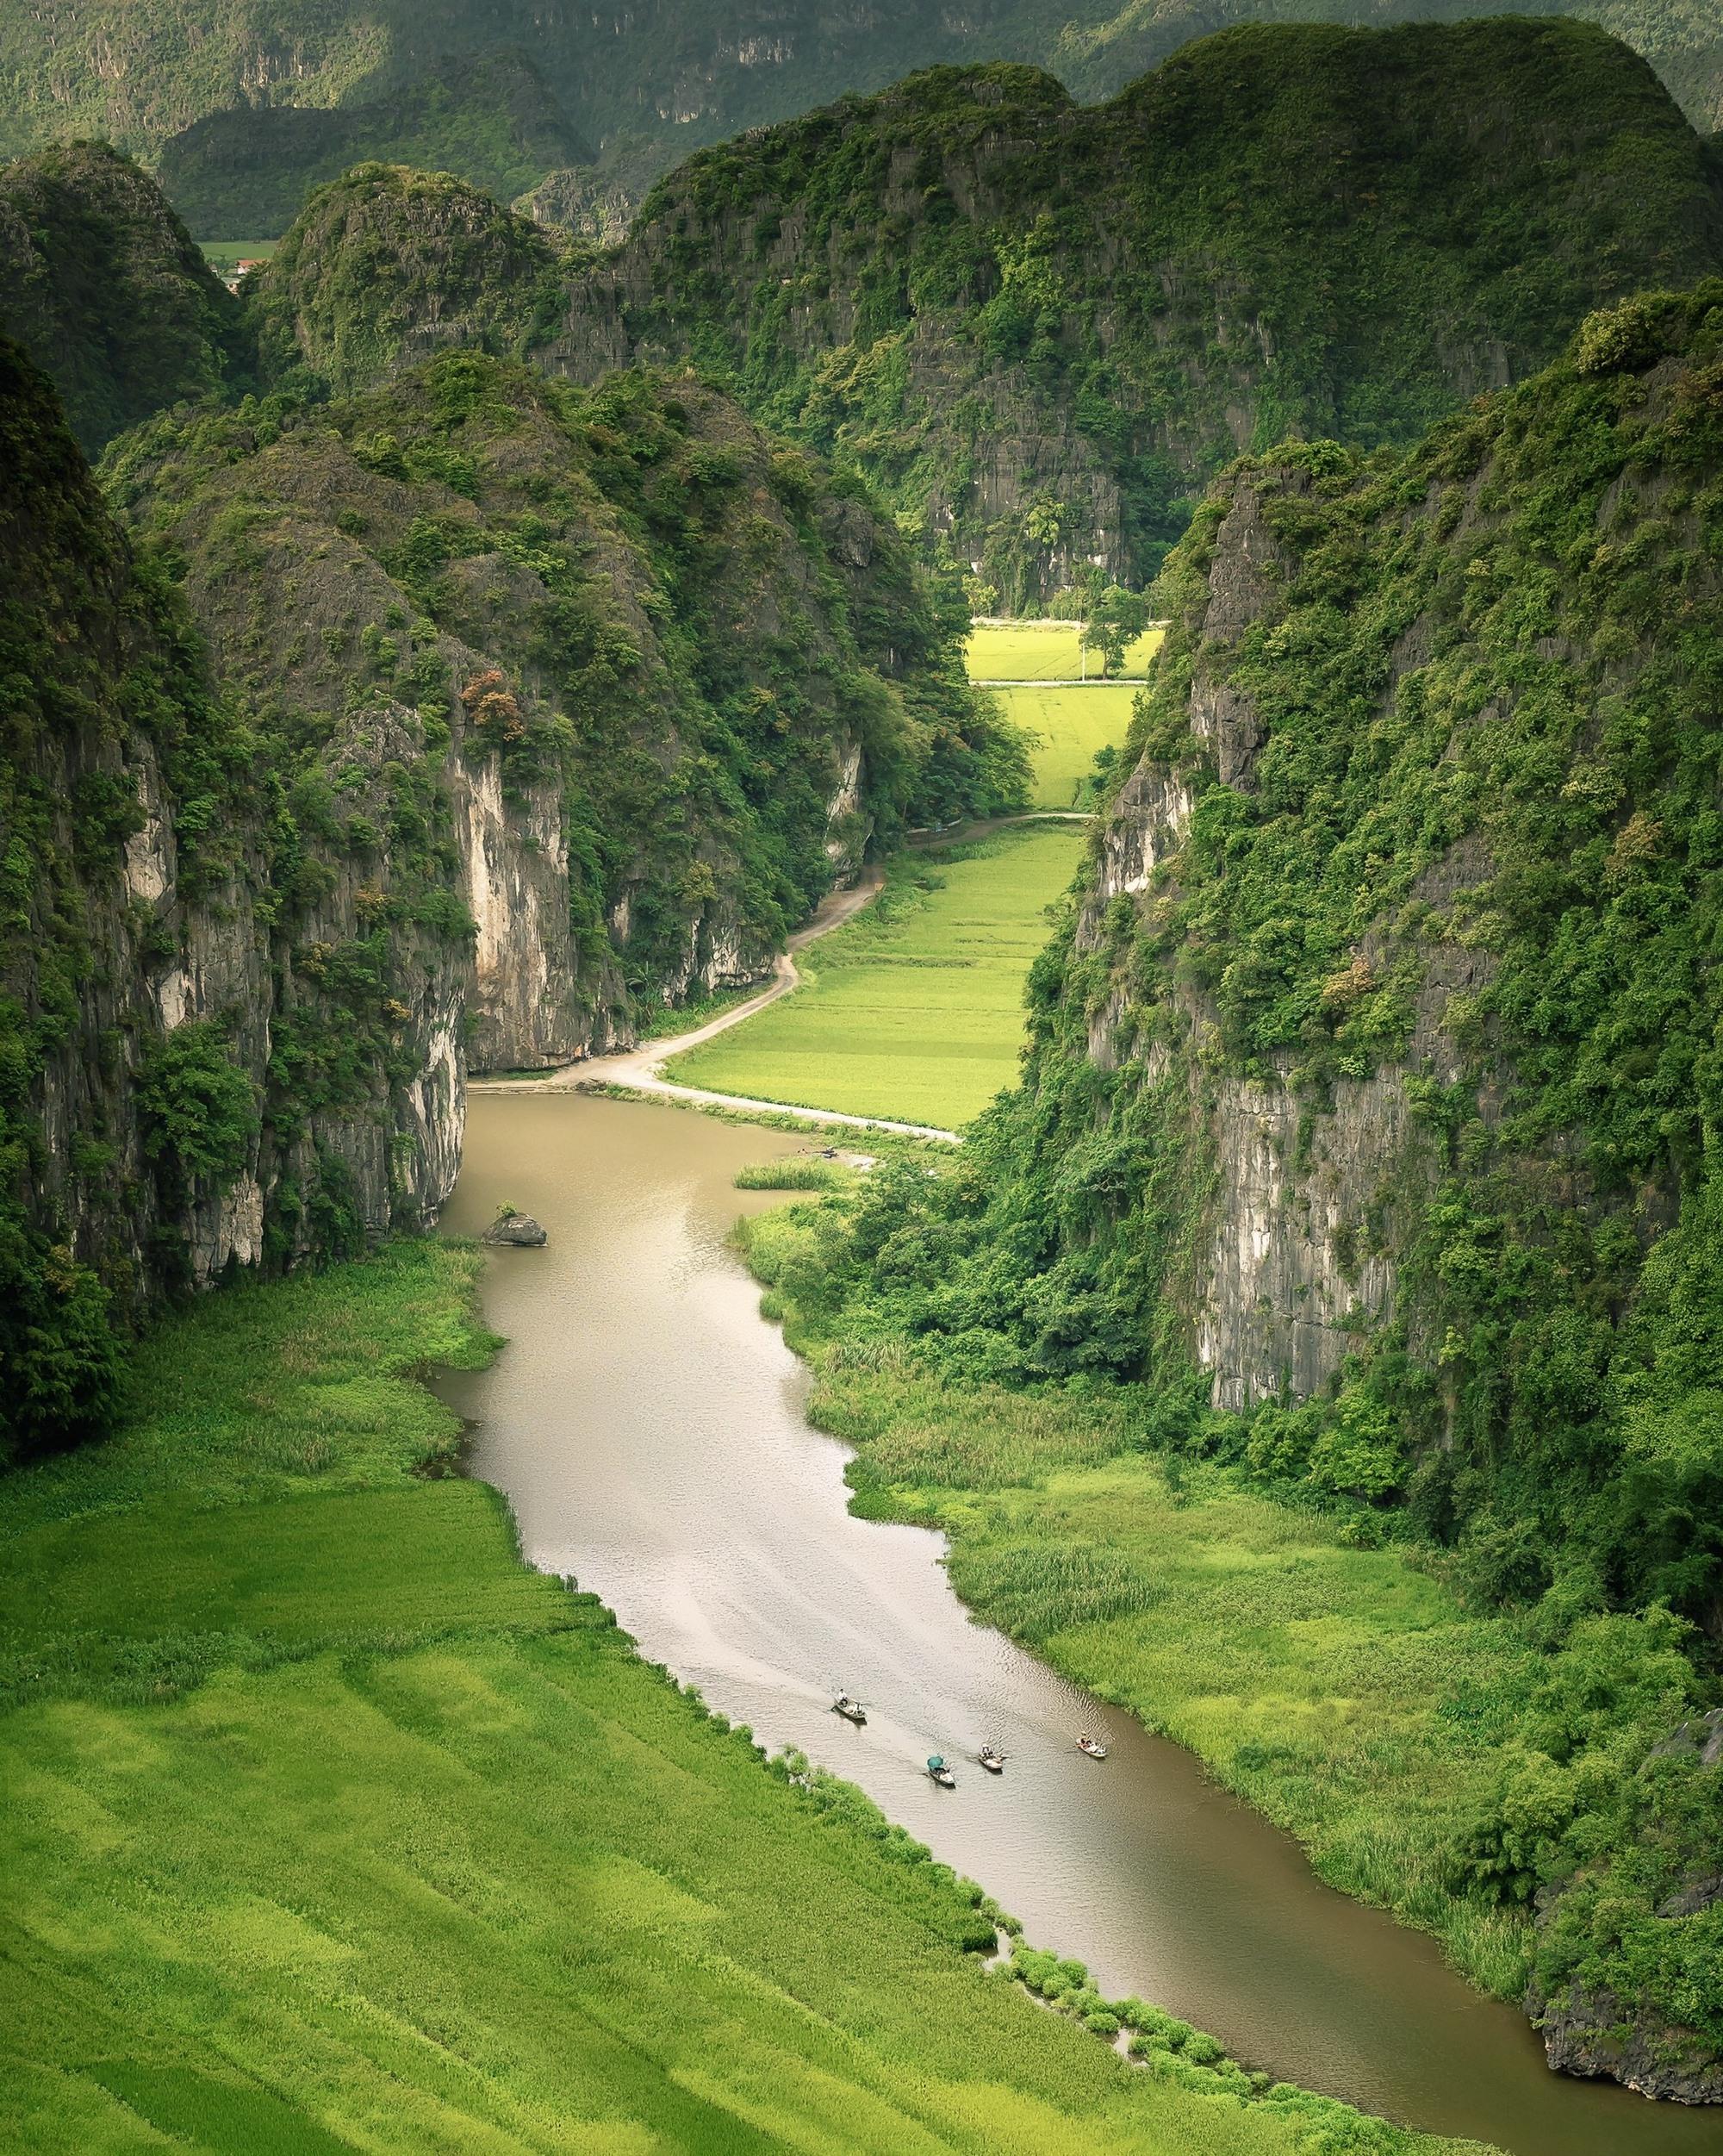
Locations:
{"points": [[647, 1427]]}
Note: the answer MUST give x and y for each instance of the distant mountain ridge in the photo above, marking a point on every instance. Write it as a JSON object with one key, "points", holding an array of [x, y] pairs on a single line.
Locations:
{"points": [[684, 72], [1039, 327], [488, 118]]}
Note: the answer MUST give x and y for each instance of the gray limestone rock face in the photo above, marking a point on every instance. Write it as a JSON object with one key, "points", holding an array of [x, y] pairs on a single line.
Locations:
{"points": [[1589, 2035]]}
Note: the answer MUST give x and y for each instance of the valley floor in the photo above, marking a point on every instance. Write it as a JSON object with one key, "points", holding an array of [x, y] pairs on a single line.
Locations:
{"points": [[1346, 1693], [914, 1009]]}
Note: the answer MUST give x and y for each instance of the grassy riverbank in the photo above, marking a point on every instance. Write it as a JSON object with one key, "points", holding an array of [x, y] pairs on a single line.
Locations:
{"points": [[1344, 1690], [914, 1009], [331, 1827]]}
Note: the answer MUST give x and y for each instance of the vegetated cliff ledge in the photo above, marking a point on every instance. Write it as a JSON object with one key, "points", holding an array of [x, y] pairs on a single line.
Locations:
{"points": [[1367, 1143], [451, 723], [1038, 328]]}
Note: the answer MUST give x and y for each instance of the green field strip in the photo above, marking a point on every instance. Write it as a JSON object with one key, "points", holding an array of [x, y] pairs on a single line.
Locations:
{"points": [[1037, 651], [1070, 725], [914, 1009]]}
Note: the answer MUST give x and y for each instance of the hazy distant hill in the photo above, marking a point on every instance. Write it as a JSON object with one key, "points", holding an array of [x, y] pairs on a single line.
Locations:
{"points": [[491, 120], [682, 72]]}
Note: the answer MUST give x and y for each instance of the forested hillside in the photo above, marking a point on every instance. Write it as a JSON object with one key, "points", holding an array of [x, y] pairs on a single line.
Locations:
{"points": [[99, 278], [1367, 1145], [1037, 328], [680, 72], [463, 720], [385, 266]]}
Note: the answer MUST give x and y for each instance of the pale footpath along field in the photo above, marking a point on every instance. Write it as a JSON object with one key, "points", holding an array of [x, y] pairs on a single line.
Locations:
{"points": [[914, 1009], [1046, 652], [1071, 724]]}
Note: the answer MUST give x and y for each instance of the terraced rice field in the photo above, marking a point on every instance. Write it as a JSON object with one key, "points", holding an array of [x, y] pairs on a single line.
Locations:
{"points": [[914, 1009]]}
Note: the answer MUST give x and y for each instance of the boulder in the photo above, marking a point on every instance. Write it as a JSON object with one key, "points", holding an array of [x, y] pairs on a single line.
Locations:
{"points": [[518, 1231]]}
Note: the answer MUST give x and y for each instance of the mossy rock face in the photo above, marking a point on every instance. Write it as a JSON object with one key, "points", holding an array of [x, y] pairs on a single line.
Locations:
{"points": [[101, 283], [1039, 328], [457, 722], [387, 265]]}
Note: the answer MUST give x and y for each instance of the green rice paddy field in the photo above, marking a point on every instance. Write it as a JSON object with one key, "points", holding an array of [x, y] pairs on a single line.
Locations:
{"points": [[224, 256], [1071, 724], [913, 1010], [332, 1828], [1045, 652]]}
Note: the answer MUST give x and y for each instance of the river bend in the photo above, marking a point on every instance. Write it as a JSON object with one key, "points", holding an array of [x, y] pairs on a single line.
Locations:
{"points": [[647, 1427]]}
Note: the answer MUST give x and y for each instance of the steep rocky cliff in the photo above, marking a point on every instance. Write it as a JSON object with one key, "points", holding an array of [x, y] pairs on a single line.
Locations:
{"points": [[1038, 327], [128, 912], [1367, 1141], [447, 727]]}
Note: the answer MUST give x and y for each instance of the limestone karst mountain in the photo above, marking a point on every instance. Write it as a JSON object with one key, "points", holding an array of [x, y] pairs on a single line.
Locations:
{"points": [[1039, 328]]}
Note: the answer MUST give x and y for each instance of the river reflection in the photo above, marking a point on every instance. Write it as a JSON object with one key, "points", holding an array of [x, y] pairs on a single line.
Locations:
{"points": [[647, 1427]]}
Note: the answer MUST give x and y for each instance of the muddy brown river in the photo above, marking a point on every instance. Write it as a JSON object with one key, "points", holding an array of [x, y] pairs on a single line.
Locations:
{"points": [[647, 1426]]}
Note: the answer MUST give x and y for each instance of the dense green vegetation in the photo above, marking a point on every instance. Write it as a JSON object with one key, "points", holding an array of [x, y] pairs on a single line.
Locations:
{"points": [[89, 647], [101, 283], [140, 70], [632, 529], [386, 265], [912, 1010], [488, 119], [1037, 329], [331, 1822], [471, 586], [1466, 852]]}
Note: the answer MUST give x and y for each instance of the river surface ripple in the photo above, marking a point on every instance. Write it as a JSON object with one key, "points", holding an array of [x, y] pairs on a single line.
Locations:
{"points": [[647, 1427]]}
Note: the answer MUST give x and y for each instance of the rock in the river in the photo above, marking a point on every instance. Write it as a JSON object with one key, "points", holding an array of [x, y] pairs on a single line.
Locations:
{"points": [[1589, 2035], [519, 1230]]}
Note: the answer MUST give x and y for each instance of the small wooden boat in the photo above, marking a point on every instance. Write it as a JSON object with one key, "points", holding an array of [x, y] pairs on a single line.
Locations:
{"points": [[851, 1710], [937, 1771], [1088, 1744], [993, 1758]]}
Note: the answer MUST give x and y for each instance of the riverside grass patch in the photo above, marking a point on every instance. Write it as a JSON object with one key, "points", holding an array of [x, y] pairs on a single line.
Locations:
{"points": [[332, 1825], [1046, 651], [914, 1009], [1351, 1693]]}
